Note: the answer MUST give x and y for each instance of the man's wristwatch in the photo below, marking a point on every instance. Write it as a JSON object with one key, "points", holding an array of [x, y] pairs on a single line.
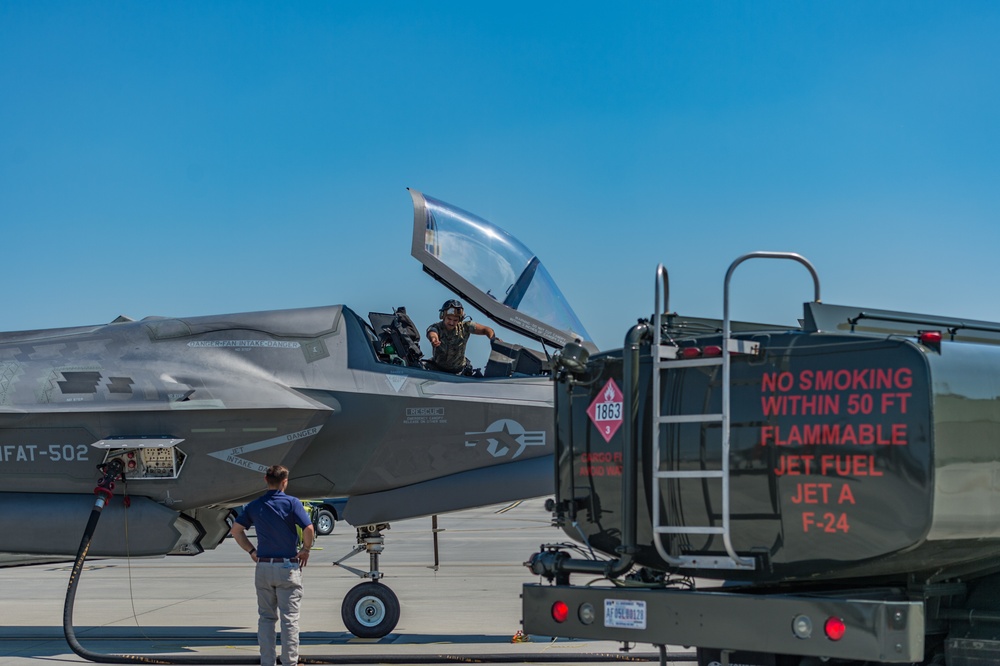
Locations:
{"points": [[251, 552]]}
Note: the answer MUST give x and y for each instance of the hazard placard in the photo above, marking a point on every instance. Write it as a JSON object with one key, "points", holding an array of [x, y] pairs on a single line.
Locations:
{"points": [[606, 410]]}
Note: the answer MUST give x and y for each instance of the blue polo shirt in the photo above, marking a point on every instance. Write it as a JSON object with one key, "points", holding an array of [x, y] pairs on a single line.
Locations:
{"points": [[275, 516]]}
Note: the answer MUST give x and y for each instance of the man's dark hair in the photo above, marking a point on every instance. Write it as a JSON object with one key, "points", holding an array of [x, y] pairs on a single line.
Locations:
{"points": [[275, 474]]}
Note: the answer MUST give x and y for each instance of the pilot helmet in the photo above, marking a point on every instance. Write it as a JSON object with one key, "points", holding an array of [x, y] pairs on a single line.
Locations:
{"points": [[452, 307]]}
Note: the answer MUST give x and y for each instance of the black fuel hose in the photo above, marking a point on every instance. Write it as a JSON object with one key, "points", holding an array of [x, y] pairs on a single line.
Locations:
{"points": [[104, 494]]}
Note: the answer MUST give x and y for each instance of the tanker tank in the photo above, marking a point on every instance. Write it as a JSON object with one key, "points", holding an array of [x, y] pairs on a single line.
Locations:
{"points": [[780, 496], [851, 454]]}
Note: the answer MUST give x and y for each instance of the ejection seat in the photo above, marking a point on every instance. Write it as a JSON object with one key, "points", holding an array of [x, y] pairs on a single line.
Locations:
{"points": [[398, 338]]}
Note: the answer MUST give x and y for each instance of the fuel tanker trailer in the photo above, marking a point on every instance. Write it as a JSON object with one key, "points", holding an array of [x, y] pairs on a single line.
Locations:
{"points": [[828, 493]]}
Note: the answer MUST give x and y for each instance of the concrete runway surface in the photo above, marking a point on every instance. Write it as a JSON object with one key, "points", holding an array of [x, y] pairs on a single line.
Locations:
{"points": [[206, 606]]}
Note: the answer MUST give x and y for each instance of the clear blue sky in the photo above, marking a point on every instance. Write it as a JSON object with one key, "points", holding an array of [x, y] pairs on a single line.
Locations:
{"points": [[189, 158]]}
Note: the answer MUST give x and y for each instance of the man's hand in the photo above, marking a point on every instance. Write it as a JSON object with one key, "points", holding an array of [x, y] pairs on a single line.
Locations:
{"points": [[308, 535], [434, 339]]}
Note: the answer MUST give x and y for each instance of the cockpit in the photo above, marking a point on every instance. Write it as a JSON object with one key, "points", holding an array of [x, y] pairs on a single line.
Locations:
{"points": [[494, 272]]}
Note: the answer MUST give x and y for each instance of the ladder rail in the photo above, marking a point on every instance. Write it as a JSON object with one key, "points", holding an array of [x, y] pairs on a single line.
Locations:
{"points": [[660, 362], [727, 377], [662, 280]]}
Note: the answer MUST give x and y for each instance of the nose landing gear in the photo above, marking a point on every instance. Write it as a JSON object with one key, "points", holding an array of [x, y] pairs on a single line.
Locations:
{"points": [[370, 609]]}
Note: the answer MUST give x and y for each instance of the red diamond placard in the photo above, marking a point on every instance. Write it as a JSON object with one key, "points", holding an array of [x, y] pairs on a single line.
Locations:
{"points": [[606, 410]]}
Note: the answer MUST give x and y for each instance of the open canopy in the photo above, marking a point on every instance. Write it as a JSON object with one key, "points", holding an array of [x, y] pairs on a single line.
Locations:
{"points": [[493, 271]]}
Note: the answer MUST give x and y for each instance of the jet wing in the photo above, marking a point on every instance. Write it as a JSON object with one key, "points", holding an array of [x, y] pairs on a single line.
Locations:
{"points": [[494, 271]]}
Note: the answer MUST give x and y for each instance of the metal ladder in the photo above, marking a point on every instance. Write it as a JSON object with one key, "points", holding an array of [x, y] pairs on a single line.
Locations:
{"points": [[665, 357]]}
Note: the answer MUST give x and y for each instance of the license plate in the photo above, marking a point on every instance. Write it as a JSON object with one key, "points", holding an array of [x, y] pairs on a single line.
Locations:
{"points": [[624, 614]]}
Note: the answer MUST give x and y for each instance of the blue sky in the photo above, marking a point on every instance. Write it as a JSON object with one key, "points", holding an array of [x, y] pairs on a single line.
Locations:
{"points": [[190, 158]]}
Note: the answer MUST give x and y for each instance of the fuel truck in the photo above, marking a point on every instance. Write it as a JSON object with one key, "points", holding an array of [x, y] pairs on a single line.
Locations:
{"points": [[820, 494]]}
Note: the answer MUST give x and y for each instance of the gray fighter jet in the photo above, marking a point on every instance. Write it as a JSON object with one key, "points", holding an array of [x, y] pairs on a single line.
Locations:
{"points": [[195, 409]]}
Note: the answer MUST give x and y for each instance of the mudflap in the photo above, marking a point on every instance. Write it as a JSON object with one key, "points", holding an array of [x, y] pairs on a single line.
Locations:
{"points": [[972, 651]]}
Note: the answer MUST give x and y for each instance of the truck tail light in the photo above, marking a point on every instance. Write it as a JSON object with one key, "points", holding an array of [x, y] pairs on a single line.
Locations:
{"points": [[834, 628], [560, 611], [690, 352]]}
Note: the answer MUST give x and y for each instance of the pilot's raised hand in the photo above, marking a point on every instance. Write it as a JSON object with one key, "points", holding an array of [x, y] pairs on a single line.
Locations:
{"points": [[434, 339]]}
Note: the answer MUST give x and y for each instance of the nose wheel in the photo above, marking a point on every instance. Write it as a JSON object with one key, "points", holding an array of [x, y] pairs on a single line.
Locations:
{"points": [[370, 610]]}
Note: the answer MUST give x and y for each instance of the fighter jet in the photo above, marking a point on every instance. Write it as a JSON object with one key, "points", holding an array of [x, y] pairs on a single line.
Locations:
{"points": [[193, 410]]}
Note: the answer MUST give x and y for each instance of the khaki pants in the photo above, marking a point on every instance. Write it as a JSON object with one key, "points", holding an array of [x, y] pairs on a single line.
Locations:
{"points": [[279, 592]]}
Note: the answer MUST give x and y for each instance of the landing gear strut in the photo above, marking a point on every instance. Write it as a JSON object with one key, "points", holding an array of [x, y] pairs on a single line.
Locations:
{"points": [[370, 609]]}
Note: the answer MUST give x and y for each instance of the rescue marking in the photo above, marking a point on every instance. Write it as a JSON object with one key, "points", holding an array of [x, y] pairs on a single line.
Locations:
{"points": [[424, 416], [397, 382]]}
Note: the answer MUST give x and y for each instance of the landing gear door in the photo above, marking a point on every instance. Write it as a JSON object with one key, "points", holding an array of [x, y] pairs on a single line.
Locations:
{"points": [[494, 271]]}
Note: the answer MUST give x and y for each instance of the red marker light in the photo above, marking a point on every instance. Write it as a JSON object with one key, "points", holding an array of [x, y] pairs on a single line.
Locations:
{"points": [[690, 352], [713, 350], [930, 338], [834, 628], [560, 611]]}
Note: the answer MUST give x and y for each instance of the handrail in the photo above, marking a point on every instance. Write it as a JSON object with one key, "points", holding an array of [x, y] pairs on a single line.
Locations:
{"points": [[727, 375], [662, 278]]}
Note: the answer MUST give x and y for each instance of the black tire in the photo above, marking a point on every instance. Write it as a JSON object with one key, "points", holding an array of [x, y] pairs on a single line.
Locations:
{"points": [[370, 610], [325, 520]]}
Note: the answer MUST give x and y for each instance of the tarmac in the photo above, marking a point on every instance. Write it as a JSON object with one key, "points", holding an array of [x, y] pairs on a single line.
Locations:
{"points": [[467, 608]]}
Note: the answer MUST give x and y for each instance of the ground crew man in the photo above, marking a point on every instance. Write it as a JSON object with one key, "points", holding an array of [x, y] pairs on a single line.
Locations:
{"points": [[278, 577]]}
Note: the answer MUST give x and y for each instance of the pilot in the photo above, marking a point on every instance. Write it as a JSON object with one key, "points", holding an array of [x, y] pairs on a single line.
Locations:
{"points": [[450, 336]]}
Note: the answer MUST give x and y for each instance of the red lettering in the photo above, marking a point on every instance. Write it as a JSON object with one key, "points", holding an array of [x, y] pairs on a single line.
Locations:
{"points": [[842, 380], [824, 380], [842, 523], [859, 379], [782, 381], [805, 380], [772, 405], [811, 493], [895, 401], [794, 465], [605, 457], [863, 434], [831, 523], [883, 378], [898, 434], [807, 520], [846, 495], [904, 378], [857, 464]]}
